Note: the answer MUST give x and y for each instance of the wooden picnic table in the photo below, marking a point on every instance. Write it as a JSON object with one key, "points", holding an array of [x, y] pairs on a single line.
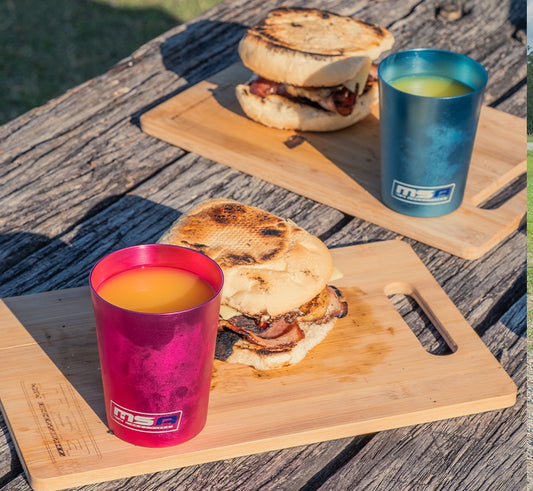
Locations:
{"points": [[79, 179]]}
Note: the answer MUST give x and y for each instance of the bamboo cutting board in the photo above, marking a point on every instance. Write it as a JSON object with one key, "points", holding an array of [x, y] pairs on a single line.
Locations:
{"points": [[341, 169], [370, 374]]}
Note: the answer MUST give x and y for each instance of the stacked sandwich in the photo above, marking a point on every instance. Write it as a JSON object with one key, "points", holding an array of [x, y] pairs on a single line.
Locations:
{"points": [[276, 301], [313, 69]]}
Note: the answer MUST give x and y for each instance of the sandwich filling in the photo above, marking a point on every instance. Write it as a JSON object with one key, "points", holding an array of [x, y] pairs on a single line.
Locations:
{"points": [[340, 99], [282, 332]]}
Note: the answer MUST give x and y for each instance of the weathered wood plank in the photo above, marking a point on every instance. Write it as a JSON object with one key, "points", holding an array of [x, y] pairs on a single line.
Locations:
{"points": [[79, 178], [111, 222], [141, 216], [90, 128]]}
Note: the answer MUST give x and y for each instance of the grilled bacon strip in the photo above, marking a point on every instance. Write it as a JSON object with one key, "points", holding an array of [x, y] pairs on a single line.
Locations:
{"points": [[286, 340], [283, 332], [337, 99]]}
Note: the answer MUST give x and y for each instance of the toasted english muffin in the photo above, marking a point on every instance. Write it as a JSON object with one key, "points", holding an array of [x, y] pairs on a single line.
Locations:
{"points": [[270, 264], [310, 47], [313, 70]]}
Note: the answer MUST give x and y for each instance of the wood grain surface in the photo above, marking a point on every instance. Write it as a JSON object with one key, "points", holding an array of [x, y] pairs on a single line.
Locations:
{"points": [[369, 374], [79, 179]]}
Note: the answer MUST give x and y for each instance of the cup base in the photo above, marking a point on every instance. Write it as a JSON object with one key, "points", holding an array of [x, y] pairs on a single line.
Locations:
{"points": [[155, 441], [420, 211]]}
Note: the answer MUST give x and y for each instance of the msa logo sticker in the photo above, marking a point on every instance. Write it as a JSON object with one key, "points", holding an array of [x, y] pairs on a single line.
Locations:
{"points": [[422, 195], [145, 422]]}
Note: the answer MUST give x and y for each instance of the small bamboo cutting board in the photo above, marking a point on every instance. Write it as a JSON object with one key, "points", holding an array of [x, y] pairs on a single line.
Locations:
{"points": [[341, 169], [370, 374]]}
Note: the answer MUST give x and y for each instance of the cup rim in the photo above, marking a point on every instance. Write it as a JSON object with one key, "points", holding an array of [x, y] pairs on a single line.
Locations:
{"points": [[155, 245], [436, 50]]}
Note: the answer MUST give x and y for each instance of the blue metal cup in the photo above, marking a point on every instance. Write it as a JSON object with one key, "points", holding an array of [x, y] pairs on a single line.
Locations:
{"points": [[427, 142]]}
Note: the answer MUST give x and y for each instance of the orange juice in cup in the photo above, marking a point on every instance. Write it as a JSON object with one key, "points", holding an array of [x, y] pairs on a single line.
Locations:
{"points": [[156, 289]]}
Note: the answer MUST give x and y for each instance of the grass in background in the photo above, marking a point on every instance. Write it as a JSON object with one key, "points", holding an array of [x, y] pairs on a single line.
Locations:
{"points": [[181, 10], [530, 249], [47, 47]]}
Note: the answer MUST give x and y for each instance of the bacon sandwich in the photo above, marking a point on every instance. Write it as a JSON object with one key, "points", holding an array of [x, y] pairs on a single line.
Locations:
{"points": [[276, 301], [313, 69]]}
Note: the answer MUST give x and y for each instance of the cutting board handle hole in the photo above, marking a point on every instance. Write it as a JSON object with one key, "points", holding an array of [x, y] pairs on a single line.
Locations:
{"points": [[420, 324], [505, 193]]}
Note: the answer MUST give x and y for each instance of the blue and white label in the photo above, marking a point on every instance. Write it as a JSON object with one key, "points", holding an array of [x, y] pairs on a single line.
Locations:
{"points": [[422, 195], [145, 422]]}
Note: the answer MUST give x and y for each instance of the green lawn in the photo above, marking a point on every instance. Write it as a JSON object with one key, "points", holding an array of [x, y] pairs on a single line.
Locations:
{"points": [[530, 203], [530, 248], [47, 47]]}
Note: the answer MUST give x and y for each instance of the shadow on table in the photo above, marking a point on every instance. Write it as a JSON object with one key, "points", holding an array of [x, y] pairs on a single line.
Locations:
{"points": [[188, 55], [58, 317], [32, 262]]}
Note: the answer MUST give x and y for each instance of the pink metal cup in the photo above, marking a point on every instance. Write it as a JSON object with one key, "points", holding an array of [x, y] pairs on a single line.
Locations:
{"points": [[156, 368]]}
